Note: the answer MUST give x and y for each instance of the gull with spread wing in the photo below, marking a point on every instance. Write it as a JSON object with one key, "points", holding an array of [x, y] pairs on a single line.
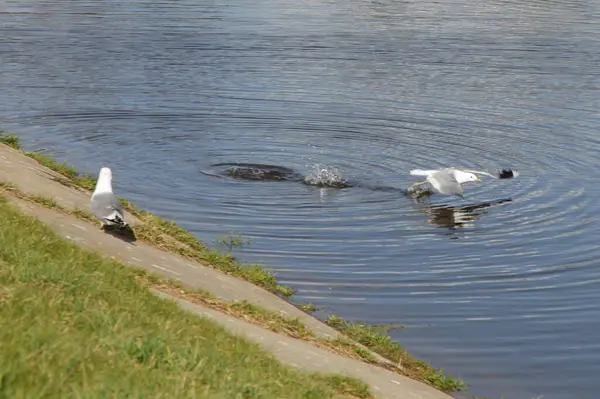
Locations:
{"points": [[449, 181]]}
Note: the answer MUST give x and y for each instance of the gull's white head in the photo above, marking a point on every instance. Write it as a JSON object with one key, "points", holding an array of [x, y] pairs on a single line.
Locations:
{"points": [[465, 177], [105, 174], [104, 183]]}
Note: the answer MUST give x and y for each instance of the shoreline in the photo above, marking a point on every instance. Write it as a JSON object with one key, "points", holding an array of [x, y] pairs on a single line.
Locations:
{"points": [[268, 307]]}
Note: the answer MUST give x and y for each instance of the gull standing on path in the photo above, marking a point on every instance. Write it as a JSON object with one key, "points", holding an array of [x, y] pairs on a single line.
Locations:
{"points": [[449, 181], [105, 205]]}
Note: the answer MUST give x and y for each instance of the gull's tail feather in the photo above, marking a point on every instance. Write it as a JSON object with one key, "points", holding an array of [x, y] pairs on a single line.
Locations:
{"points": [[116, 219]]}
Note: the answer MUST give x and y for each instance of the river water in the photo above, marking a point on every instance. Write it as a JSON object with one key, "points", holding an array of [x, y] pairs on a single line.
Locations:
{"points": [[506, 297]]}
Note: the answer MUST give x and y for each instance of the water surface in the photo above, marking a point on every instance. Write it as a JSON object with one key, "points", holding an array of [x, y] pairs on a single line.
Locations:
{"points": [[504, 296]]}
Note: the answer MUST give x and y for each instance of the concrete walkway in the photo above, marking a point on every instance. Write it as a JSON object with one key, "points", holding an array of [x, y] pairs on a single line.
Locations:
{"points": [[34, 179]]}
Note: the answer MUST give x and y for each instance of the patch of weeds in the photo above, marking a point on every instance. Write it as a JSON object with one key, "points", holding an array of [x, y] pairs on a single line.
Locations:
{"points": [[292, 327], [309, 307], [370, 337], [383, 344], [86, 181], [357, 350], [285, 290], [348, 386], [444, 382], [232, 240], [6, 185], [10, 139], [83, 214], [262, 277], [44, 201], [364, 354]]}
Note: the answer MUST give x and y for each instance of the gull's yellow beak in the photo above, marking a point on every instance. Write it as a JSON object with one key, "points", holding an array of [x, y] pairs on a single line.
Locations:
{"points": [[478, 180]]}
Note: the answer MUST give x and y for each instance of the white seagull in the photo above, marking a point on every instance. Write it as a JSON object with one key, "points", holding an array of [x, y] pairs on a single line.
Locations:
{"points": [[105, 205], [449, 181]]}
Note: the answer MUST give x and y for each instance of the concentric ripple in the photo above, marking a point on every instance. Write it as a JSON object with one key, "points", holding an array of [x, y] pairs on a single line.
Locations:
{"points": [[296, 124]]}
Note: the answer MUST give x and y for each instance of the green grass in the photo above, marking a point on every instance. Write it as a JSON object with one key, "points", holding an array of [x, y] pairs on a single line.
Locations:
{"points": [[80, 325], [379, 342], [10, 139], [348, 386]]}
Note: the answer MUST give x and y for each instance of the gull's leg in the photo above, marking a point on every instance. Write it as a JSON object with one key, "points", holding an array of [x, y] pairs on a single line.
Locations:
{"points": [[419, 183], [422, 194]]}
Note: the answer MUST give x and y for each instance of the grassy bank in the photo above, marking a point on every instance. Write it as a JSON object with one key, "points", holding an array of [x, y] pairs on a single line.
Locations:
{"points": [[168, 236], [80, 325], [159, 232]]}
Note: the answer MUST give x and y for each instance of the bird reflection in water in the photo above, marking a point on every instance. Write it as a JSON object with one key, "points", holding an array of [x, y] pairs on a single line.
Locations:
{"points": [[454, 217]]}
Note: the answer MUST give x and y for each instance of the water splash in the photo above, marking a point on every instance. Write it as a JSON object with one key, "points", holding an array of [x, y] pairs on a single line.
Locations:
{"points": [[319, 176], [325, 176]]}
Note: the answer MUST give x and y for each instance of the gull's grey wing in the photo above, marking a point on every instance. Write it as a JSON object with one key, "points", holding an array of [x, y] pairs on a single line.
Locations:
{"points": [[104, 205], [445, 183], [504, 174]]}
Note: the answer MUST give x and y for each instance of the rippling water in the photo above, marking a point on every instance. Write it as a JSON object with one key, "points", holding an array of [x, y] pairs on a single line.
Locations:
{"points": [[504, 294]]}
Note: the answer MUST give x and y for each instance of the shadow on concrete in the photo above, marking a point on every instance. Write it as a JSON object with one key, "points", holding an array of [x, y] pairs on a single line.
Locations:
{"points": [[122, 233]]}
